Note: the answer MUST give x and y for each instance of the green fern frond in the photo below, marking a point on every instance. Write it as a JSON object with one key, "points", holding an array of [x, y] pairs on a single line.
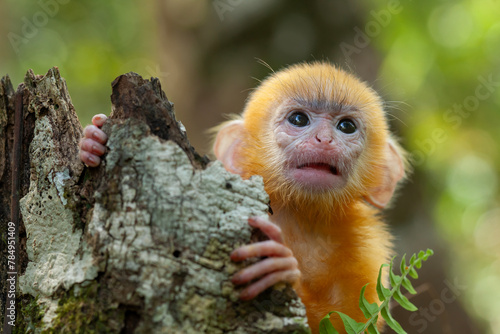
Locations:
{"points": [[372, 311]]}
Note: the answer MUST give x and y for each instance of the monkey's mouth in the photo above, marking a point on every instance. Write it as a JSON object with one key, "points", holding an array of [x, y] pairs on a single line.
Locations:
{"points": [[318, 176], [319, 166]]}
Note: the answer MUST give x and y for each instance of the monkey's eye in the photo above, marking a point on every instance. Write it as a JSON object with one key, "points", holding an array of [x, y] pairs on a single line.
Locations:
{"points": [[346, 126], [298, 119]]}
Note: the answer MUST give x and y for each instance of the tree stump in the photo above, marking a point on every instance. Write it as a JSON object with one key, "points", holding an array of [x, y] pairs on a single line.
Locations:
{"points": [[140, 244]]}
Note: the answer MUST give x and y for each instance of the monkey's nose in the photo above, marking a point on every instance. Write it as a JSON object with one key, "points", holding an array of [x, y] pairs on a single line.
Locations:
{"points": [[324, 138]]}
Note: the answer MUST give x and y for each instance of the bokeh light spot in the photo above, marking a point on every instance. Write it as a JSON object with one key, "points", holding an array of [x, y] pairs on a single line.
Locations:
{"points": [[450, 25], [487, 233], [472, 180]]}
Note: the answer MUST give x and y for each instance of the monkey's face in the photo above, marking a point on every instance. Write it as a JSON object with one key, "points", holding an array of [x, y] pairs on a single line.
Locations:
{"points": [[320, 142], [315, 130]]}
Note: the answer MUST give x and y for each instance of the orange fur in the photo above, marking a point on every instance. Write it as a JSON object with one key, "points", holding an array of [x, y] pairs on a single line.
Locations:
{"points": [[338, 238]]}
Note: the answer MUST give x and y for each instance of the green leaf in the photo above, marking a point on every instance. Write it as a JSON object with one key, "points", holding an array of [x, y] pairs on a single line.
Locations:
{"points": [[390, 320], [403, 265], [413, 273], [407, 285], [403, 301], [428, 253], [373, 329], [382, 291], [395, 279], [325, 325], [351, 325], [368, 308]]}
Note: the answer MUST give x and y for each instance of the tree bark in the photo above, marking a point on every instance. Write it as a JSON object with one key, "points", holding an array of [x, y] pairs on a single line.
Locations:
{"points": [[140, 244]]}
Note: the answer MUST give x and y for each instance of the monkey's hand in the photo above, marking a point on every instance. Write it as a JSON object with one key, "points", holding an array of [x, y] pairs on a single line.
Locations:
{"points": [[280, 264], [93, 141]]}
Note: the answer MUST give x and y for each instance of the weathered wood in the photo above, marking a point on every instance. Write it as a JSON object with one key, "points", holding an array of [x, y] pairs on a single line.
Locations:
{"points": [[6, 148], [143, 99], [140, 244]]}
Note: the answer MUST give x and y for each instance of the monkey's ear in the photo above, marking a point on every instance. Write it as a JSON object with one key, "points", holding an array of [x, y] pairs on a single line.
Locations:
{"points": [[394, 171], [228, 143]]}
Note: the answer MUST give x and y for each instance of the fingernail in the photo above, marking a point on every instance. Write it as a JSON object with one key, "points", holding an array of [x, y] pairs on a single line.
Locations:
{"points": [[95, 134], [94, 148], [92, 159]]}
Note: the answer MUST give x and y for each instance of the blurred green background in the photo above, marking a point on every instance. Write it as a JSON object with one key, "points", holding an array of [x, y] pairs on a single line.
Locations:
{"points": [[436, 63]]}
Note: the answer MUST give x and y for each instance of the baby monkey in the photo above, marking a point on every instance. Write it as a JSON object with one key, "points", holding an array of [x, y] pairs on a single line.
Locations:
{"points": [[319, 138]]}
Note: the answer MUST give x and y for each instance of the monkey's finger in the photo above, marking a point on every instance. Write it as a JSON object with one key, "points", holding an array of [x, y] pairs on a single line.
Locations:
{"points": [[253, 290], [263, 248], [99, 119], [92, 131], [89, 159], [264, 267], [273, 231], [91, 146]]}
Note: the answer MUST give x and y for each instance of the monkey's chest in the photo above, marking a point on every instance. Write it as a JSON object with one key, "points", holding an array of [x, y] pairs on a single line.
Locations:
{"points": [[314, 254]]}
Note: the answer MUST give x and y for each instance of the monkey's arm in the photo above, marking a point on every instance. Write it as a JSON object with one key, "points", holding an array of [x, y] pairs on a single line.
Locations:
{"points": [[280, 264], [93, 141]]}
